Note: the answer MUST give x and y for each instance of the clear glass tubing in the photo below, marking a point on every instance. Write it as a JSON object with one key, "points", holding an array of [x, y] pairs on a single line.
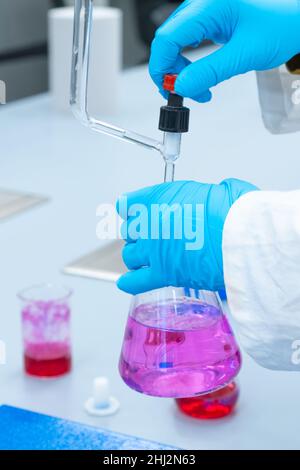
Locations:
{"points": [[83, 20]]}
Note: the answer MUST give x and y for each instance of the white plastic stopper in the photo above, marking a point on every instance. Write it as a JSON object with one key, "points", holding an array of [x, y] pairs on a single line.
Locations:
{"points": [[101, 392], [101, 403]]}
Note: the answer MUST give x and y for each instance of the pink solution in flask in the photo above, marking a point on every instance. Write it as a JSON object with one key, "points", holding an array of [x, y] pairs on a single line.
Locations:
{"points": [[46, 331], [178, 344]]}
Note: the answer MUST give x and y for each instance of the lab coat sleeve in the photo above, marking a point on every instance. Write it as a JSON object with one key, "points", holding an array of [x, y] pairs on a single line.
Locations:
{"points": [[261, 252]]}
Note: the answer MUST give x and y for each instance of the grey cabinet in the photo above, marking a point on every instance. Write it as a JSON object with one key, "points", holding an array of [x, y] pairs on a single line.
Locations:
{"points": [[23, 39], [23, 23]]}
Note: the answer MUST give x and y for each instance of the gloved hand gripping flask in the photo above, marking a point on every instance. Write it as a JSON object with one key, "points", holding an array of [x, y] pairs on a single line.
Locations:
{"points": [[178, 342]]}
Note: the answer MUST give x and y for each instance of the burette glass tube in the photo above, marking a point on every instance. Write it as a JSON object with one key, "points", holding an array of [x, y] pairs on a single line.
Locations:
{"points": [[172, 147], [169, 172], [83, 20]]}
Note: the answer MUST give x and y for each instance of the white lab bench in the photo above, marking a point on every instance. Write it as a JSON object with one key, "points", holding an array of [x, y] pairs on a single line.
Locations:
{"points": [[51, 154]]}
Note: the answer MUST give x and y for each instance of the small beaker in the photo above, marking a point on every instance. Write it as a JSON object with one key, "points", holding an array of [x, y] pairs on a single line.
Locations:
{"points": [[46, 330], [178, 343]]}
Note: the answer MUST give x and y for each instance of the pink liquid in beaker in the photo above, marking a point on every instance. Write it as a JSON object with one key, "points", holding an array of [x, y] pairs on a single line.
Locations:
{"points": [[47, 349], [183, 355]]}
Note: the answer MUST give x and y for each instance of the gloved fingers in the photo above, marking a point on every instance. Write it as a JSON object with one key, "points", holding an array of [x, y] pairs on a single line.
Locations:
{"points": [[203, 97], [237, 188], [126, 202], [188, 26], [157, 194], [138, 225], [137, 282], [131, 204], [207, 72], [168, 43], [135, 256], [132, 230], [158, 75], [125, 233]]}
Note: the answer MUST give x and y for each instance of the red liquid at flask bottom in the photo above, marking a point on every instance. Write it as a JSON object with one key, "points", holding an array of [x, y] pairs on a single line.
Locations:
{"points": [[213, 405]]}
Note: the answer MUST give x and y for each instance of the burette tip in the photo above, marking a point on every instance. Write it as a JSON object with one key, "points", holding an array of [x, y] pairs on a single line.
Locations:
{"points": [[169, 171]]}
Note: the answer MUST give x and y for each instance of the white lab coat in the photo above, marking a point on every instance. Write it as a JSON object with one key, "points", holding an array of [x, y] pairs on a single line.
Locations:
{"points": [[261, 250]]}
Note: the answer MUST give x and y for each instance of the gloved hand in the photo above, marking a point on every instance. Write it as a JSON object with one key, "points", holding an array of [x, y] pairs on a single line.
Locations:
{"points": [[258, 35], [184, 249]]}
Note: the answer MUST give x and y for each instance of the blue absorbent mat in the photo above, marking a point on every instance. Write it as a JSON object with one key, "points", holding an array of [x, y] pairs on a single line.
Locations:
{"points": [[25, 430]]}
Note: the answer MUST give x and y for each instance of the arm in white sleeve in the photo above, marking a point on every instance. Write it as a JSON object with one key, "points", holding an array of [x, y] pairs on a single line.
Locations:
{"points": [[261, 251]]}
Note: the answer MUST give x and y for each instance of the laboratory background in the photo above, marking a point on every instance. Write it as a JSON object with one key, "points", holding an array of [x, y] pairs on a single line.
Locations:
{"points": [[69, 372]]}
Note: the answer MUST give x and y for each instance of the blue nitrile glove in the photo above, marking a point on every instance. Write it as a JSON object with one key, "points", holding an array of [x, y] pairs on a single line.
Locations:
{"points": [[164, 250], [258, 35]]}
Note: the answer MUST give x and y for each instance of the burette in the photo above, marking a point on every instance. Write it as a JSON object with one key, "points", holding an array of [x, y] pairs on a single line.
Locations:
{"points": [[174, 117]]}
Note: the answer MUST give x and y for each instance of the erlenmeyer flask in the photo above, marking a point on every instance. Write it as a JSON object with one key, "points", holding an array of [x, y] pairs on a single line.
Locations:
{"points": [[178, 343]]}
